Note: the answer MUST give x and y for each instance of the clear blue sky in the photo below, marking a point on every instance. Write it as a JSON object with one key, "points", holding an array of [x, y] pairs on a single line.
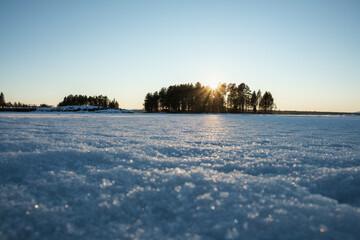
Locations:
{"points": [[307, 53]]}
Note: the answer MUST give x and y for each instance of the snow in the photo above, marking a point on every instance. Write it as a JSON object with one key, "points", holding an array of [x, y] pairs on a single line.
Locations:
{"points": [[162, 176]]}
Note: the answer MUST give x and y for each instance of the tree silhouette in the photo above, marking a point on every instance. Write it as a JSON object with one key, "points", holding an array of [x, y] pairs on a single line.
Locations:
{"points": [[243, 97], [100, 100], [189, 98], [151, 102], [147, 103], [266, 102], [255, 99], [219, 98], [163, 101], [232, 99], [2, 100]]}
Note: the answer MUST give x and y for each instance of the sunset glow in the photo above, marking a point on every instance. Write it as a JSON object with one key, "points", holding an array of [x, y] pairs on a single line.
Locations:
{"points": [[213, 84], [125, 49]]}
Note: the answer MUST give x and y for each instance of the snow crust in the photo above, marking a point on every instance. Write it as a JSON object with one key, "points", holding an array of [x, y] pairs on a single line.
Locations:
{"points": [[151, 176]]}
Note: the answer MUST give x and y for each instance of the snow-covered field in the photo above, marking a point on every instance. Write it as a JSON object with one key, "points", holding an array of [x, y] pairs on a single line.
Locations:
{"points": [[158, 176]]}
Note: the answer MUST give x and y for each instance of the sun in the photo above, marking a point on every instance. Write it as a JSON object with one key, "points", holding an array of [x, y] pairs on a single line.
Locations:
{"points": [[213, 84]]}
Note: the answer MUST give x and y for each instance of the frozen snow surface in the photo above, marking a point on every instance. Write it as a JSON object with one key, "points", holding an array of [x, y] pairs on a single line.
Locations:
{"points": [[159, 176]]}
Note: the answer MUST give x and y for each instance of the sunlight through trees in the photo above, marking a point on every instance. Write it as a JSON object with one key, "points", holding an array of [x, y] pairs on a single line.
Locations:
{"points": [[189, 98]]}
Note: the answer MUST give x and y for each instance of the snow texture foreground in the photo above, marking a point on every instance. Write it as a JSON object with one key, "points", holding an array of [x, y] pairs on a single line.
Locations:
{"points": [[91, 176]]}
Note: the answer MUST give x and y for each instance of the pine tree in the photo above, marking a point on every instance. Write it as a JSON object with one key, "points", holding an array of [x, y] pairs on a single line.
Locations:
{"points": [[232, 99], [2, 100], [267, 102], [254, 101], [244, 95], [148, 102], [163, 101]]}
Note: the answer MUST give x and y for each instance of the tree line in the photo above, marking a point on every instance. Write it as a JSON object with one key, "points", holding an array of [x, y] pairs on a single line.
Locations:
{"points": [[4, 104], [81, 100], [70, 100], [190, 98]]}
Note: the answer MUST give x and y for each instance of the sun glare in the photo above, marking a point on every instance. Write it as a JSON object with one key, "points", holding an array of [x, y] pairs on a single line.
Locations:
{"points": [[213, 84]]}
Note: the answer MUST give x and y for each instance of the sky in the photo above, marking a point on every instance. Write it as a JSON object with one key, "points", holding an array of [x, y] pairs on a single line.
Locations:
{"points": [[306, 53]]}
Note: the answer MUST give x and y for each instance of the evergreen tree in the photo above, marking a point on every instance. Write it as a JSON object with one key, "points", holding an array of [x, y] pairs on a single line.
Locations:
{"points": [[267, 102], [232, 100], [163, 101], [254, 101], [219, 98], [155, 102], [198, 100], [147, 103], [114, 104], [151, 102], [243, 96], [2, 100]]}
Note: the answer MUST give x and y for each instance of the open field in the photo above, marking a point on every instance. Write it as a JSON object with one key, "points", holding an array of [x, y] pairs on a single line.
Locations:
{"points": [[161, 176]]}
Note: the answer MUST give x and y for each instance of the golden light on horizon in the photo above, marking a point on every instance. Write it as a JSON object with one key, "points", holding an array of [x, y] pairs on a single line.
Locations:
{"points": [[213, 84]]}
